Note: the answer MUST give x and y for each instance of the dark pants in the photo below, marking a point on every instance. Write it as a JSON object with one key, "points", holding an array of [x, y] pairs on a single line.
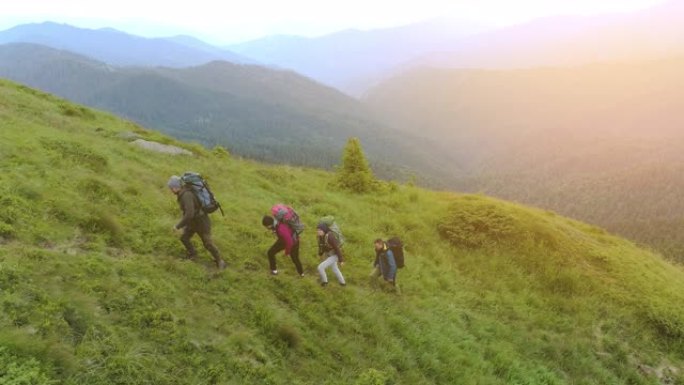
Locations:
{"points": [[294, 254], [202, 227]]}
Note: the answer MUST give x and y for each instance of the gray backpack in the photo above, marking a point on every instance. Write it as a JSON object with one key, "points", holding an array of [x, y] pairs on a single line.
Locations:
{"points": [[201, 189]]}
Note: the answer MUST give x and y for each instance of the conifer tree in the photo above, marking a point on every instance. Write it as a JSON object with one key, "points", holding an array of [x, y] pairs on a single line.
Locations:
{"points": [[355, 174]]}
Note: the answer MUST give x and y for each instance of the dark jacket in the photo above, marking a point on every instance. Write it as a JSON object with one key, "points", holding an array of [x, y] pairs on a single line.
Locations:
{"points": [[384, 260], [330, 245], [190, 206]]}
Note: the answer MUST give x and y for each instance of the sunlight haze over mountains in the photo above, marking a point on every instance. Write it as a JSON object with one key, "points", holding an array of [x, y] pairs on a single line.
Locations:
{"points": [[232, 22]]}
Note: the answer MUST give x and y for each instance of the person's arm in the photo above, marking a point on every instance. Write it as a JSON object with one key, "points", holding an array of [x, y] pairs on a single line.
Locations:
{"points": [[321, 246], [392, 264], [187, 201], [335, 244], [285, 233]]}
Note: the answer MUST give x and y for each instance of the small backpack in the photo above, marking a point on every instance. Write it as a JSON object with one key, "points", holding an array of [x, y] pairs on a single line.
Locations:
{"points": [[397, 248], [286, 214], [334, 228], [201, 189]]}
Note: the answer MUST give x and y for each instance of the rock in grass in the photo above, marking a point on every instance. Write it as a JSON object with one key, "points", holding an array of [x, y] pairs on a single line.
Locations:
{"points": [[158, 147]]}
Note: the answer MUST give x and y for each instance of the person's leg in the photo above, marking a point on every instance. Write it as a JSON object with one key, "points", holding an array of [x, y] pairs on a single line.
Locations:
{"points": [[204, 232], [211, 247], [324, 265], [294, 255], [277, 247], [338, 272], [188, 233]]}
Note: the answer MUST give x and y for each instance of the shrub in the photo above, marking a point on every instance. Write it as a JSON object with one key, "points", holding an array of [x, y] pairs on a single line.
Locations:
{"points": [[289, 335], [15, 370], [220, 152], [373, 377]]}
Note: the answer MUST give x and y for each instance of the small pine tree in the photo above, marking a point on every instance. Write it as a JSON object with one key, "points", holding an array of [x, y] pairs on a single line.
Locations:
{"points": [[355, 174]]}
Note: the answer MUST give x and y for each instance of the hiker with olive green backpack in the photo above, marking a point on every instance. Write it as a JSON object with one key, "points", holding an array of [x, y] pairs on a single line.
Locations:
{"points": [[330, 241]]}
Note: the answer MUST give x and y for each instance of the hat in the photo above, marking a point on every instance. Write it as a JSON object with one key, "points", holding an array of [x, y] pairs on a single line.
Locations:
{"points": [[175, 182]]}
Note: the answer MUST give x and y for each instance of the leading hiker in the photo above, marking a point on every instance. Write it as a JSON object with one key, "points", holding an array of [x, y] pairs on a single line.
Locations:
{"points": [[194, 221]]}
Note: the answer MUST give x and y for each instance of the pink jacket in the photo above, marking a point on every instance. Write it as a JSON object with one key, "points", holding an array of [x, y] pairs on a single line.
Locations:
{"points": [[285, 233]]}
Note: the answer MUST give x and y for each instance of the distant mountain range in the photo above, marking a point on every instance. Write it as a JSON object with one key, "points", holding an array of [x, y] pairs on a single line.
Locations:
{"points": [[277, 116], [354, 61], [118, 48], [350, 60]]}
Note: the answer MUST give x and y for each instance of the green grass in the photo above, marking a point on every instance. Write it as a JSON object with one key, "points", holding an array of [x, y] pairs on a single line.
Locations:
{"points": [[92, 289]]}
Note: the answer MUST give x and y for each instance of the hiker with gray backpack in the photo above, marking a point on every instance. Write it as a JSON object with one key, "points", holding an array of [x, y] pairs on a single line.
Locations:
{"points": [[330, 241], [285, 224], [196, 201]]}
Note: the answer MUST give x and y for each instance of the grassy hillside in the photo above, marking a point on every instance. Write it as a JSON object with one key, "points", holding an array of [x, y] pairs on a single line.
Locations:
{"points": [[93, 291], [601, 143], [260, 113]]}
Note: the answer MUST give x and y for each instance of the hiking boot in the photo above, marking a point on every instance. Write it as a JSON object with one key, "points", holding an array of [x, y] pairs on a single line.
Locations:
{"points": [[324, 284], [221, 265], [343, 284], [191, 257], [274, 272], [301, 275]]}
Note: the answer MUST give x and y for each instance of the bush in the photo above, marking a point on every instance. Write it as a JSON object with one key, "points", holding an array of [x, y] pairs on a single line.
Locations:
{"points": [[15, 370], [289, 335], [220, 152], [373, 377]]}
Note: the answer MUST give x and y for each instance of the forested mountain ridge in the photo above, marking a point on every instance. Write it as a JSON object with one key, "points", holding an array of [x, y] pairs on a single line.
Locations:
{"points": [[257, 112]]}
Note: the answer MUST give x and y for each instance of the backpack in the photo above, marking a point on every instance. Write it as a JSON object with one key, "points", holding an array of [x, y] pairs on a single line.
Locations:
{"points": [[200, 188], [397, 248], [334, 228], [286, 214]]}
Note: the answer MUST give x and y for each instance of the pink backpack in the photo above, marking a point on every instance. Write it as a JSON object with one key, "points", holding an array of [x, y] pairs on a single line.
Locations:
{"points": [[286, 214]]}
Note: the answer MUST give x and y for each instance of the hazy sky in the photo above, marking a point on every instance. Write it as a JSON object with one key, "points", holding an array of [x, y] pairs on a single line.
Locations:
{"points": [[232, 21]]}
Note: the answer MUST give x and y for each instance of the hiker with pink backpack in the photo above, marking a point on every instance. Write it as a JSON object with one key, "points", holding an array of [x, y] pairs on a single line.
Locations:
{"points": [[287, 227]]}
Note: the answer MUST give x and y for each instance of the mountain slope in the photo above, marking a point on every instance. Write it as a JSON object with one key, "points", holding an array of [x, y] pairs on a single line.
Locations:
{"points": [[118, 48], [270, 115], [352, 60], [601, 143], [93, 291]]}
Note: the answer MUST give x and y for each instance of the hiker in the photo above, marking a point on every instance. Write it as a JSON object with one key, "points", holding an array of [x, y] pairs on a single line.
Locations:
{"points": [[194, 221], [287, 239], [385, 264], [329, 248]]}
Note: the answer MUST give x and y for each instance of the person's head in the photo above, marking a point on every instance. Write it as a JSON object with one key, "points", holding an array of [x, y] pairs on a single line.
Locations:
{"points": [[268, 221], [322, 229], [379, 244], [175, 184]]}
